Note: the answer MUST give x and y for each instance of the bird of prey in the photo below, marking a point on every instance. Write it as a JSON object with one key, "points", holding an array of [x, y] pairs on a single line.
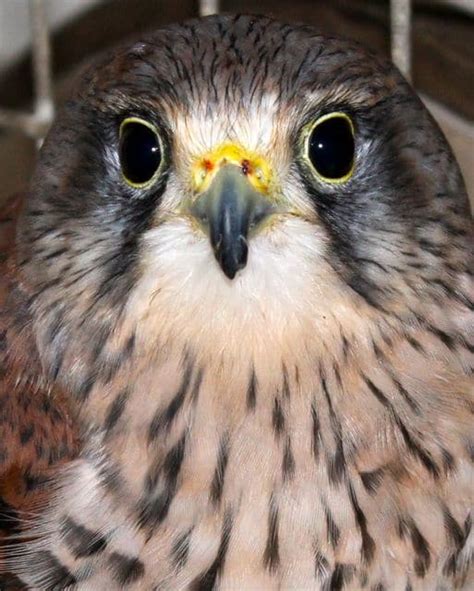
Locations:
{"points": [[237, 326]]}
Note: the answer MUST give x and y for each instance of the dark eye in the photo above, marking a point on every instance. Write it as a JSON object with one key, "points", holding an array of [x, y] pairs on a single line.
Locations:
{"points": [[331, 147], [139, 151]]}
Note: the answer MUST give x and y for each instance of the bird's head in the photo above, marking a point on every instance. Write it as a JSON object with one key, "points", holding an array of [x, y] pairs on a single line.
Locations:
{"points": [[235, 185]]}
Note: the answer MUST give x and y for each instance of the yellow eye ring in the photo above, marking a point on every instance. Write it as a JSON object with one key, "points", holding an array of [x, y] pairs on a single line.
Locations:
{"points": [[140, 152], [329, 147]]}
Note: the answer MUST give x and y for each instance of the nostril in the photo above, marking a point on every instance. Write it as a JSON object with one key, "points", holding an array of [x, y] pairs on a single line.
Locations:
{"points": [[258, 213]]}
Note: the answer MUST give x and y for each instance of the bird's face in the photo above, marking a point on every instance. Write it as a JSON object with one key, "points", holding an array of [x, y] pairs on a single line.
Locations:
{"points": [[231, 184]]}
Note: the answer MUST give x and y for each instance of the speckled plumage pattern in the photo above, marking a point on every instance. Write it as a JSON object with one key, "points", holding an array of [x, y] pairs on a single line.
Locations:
{"points": [[307, 425]]}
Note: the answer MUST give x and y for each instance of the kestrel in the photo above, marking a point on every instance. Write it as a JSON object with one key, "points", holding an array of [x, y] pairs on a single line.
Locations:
{"points": [[237, 326]]}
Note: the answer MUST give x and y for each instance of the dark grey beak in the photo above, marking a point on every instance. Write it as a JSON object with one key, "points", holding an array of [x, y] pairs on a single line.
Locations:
{"points": [[228, 211]]}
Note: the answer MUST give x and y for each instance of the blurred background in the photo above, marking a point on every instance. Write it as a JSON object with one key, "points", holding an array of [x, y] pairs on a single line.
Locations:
{"points": [[44, 43]]}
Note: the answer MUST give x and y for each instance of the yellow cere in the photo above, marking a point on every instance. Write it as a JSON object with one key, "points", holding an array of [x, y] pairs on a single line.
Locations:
{"points": [[255, 168]]}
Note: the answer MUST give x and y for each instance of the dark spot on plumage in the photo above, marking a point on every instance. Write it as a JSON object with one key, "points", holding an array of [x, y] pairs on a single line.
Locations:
{"points": [[297, 375], [42, 290], [34, 481], [469, 446], [450, 565], [337, 374], [207, 580], [8, 581], [252, 391], [180, 549], [333, 532], [58, 452], [85, 388], [413, 447], [372, 480], [337, 464], [379, 354], [163, 419], [337, 461], [286, 383], [129, 347], [416, 450], [467, 526], [217, 484], [111, 477], [278, 418], [109, 370], [46, 405], [438, 250], [449, 463], [453, 294], [174, 459], [26, 433], [57, 362], [199, 375], [55, 416], [9, 517], [39, 450], [345, 347], [126, 569], [151, 512], [321, 565], [54, 333], [366, 289], [54, 254], [3, 341], [408, 587], [58, 576], [170, 467], [154, 506], [406, 396], [271, 556], [378, 587], [363, 579], [422, 558], [115, 410], [101, 336], [119, 270], [82, 542], [402, 528], [377, 392], [368, 544], [341, 576], [288, 462], [443, 336], [454, 531], [316, 432]]}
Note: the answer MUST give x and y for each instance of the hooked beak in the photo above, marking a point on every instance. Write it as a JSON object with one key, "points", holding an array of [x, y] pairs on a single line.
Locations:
{"points": [[228, 211]]}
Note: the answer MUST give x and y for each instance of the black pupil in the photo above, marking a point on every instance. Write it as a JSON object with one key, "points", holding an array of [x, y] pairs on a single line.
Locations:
{"points": [[331, 148], [140, 153]]}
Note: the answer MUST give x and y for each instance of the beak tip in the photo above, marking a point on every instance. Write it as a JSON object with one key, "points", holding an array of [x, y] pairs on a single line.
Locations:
{"points": [[233, 260], [230, 273]]}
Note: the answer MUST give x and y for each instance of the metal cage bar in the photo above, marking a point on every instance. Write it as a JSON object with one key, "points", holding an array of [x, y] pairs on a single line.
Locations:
{"points": [[400, 33], [37, 123], [208, 7]]}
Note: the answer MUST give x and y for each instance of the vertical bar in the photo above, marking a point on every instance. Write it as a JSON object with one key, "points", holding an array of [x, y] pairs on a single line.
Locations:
{"points": [[41, 50], [400, 24], [208, 7]]}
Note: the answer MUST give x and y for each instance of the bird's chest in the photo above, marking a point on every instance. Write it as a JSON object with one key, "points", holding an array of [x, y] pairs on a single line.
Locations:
{"points": [[254, 482]]}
